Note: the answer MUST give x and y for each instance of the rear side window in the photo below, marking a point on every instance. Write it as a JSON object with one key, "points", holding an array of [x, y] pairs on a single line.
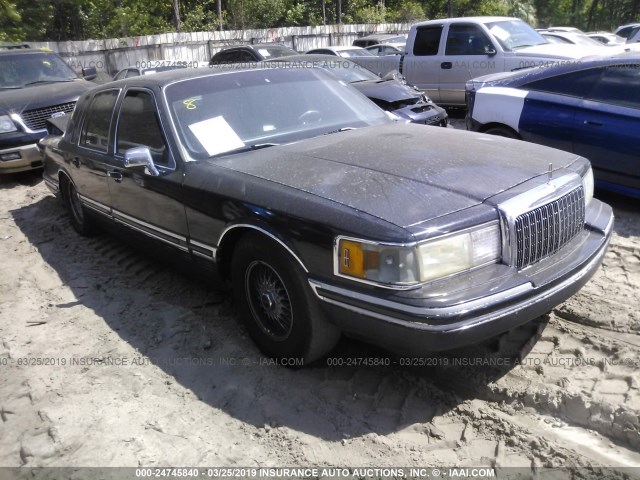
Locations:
{"points": [[574, 84], [467, 40], [619, 85], [95, 131], [427, 41], [139, 126]]}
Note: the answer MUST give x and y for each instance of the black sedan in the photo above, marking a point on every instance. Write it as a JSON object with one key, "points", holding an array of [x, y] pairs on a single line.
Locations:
{"points": [[327, 217], [388, 93]]}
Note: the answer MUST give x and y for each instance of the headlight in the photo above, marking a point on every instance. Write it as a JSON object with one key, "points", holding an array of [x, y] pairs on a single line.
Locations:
{"points": [[6, 124], [587, 184], [400, 265]]}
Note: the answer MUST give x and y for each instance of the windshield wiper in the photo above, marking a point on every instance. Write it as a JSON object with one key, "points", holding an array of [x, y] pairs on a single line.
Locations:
{"points": [[343, 129], [46, 81], [246, 148]]}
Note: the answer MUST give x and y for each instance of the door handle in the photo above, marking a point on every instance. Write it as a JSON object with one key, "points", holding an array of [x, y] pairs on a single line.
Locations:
{"points": [[593, 123], [116, 175], [76, 161], [446, 65]]}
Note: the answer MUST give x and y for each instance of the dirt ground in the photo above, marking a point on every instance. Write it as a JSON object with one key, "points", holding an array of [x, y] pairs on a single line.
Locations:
{"points": [[111, 358]]}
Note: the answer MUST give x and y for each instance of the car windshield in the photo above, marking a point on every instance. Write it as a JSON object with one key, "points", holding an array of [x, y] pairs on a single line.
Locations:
{"points": [[241, 110], [355, 52], [275, 51], [583, 39], [23, 69], [515, 34]]}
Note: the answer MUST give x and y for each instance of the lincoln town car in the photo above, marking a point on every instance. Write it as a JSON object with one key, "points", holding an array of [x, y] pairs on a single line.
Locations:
{"points": [[324, 215]]}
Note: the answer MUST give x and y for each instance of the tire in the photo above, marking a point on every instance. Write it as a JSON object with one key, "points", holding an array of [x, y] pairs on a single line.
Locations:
{"points": [[272, 296], [82, 222], [503, 132]]}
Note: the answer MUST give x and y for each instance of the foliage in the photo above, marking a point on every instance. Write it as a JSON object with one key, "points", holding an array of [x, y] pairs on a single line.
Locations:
{"points": [[24, 20]]}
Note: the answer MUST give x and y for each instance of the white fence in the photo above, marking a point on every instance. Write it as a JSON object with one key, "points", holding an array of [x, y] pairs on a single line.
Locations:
{"points": [[113, 54]]}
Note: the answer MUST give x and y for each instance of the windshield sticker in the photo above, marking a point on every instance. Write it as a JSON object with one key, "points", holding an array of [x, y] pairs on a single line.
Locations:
{"points": [[499, 32], [216, 135], [264, 52]]}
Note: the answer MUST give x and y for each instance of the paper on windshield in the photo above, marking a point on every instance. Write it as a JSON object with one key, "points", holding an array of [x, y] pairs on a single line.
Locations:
{"points": [[216, 135], [499, 32], [264, 52]]}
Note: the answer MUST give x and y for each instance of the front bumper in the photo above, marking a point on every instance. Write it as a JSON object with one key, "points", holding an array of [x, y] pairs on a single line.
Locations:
{"points": [[30, 158], [419, 321], [424, 114]]}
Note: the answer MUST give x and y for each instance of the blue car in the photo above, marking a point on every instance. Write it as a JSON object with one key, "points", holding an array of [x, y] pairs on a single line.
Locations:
{"points": [[590, 108]]}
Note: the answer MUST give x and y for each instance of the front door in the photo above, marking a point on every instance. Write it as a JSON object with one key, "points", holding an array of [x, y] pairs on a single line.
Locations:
{"points": [[148, 201]]}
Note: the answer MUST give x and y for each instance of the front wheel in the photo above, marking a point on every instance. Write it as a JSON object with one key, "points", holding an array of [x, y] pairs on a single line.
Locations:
{"points": [[81, 222], [503, 132], [272, 296]]}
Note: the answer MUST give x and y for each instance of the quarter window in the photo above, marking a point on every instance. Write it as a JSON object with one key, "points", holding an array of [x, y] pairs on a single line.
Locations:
{"points": [[620, 85], [427, 41], [139, 126], [95, 131], [574, 84]]}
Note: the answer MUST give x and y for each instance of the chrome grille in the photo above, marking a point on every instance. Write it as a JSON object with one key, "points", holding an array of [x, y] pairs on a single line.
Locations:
{"points": [[37, 119], [545, 230]]}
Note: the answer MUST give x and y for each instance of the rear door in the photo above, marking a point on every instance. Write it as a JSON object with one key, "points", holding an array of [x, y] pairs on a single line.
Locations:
{"points": [[608, 126], [142, 200], [89, 157]]}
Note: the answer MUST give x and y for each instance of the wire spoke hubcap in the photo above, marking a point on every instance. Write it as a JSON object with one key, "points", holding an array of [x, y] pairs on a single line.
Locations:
{"points": [[269, 300]]}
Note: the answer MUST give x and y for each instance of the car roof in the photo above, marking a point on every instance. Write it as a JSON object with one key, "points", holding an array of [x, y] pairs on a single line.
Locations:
{"points": [[338, 48], [163, 79], [465, 19], [312, 57], [253, 46], [24, 51], [520, 77]]}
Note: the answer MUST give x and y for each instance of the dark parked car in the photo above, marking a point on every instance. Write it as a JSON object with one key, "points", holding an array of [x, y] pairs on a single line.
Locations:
{"points": [[251, 53], [34, 86], [151, 67], [326, 216], [390, 94], [375, 39], [591, 108]]}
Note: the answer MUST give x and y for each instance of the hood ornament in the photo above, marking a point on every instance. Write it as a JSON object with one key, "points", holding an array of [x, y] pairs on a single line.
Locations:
{"points": [[550, 172]]}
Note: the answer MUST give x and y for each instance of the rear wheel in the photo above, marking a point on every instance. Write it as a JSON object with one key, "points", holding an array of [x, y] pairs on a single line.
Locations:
{"points": [[503, 132], [81, 222], [273, 298]]}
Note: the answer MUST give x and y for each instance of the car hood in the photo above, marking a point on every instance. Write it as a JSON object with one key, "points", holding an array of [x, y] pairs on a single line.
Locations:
{"points": [[557, 51], [386, 90], [42, 95], [402, 173]]}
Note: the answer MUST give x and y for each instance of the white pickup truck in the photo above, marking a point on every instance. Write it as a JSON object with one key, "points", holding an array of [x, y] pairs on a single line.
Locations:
{"points": [[442, 55]]}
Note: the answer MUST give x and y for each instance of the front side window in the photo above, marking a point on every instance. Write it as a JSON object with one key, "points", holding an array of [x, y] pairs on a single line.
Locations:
{"points": [[427, 41], [139, 126], [95, 131], [574, 84], [467, 40], [619, 85]]}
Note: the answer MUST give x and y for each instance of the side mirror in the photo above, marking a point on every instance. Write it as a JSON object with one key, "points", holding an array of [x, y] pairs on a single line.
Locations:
{"points": [[89, 73], [490, 51], [140, 157]]}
